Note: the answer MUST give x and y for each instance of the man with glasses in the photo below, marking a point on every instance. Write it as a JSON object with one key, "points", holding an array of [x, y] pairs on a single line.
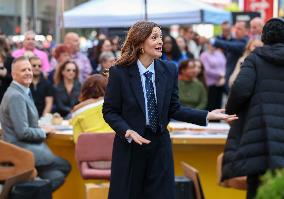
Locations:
{"points": [[42, 90]]}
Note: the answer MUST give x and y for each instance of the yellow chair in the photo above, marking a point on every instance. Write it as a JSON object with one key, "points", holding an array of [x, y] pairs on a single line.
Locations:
{"points": [[97, 191]]}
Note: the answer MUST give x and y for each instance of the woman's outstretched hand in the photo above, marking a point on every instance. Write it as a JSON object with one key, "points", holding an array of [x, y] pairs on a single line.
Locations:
{"points": [[219, 114], [136, 137]]}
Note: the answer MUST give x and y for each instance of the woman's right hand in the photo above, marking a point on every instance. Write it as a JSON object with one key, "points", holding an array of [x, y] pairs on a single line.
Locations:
{"points": [[136, 137]]}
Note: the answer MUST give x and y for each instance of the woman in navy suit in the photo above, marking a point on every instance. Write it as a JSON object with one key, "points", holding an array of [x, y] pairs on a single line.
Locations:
{"points": [[141, 98]]}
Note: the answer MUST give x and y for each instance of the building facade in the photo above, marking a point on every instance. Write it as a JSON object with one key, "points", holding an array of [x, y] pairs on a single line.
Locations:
{"points": [[40, 15]]}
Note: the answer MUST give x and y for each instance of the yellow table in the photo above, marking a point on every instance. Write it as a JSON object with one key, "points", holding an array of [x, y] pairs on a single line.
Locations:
{"points": [[199, 147], [196, 146]]}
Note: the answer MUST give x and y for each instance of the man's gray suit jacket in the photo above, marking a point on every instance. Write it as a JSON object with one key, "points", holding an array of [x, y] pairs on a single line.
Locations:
{"points": [[19, 121]]}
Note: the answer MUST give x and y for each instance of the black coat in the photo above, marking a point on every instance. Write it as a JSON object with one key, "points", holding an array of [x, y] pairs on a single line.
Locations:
{"points": [[65, 102], [256, 141], [5, 81], [124, 108]]}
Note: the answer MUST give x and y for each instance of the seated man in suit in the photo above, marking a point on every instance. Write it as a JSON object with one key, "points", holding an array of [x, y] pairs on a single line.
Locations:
{"points": [[19, 120]]}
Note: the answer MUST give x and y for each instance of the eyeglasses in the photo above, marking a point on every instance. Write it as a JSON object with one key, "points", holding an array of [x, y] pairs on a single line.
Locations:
{"points": [[36, 65], [69, 70]]}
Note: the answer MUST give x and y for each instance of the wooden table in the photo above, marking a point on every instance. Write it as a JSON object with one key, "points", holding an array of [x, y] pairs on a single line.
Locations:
{"points": [[199, 147]]}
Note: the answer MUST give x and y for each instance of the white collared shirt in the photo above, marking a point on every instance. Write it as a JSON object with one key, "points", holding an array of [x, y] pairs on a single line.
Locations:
{"points": [[143, 70]]}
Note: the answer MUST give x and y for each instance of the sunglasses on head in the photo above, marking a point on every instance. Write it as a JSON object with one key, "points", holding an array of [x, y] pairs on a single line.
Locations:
{"points": [[36, 65]]}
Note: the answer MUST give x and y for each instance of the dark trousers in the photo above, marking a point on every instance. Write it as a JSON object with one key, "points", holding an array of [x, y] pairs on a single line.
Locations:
{"points": [[215, 94], [56, 172], [253, 183], [152, 172]]}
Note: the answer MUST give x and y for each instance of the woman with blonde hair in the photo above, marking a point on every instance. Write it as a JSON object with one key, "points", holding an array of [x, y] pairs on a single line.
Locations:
{"points": [[252, 44]]}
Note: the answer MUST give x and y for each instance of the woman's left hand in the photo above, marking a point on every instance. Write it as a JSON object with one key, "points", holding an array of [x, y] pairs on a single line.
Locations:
{"points": [[219, 114]]}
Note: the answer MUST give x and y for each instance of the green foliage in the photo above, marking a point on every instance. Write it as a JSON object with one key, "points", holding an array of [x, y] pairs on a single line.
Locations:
{"points": [[272, 185]]}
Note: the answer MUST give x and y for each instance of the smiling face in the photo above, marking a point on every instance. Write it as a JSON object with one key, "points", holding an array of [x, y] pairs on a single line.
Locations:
{"points": [[22, 72], [152, 46]]}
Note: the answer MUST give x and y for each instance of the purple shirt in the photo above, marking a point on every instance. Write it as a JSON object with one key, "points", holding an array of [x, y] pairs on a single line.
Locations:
{"points": [[39, 53], [214, 66]]}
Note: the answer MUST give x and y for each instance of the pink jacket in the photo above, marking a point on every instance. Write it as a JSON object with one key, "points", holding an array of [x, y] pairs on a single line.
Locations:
{"points": [[39, 53]]}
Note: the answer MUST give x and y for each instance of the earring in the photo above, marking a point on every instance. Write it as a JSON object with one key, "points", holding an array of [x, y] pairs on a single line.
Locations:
{"points": [[142, 51]]}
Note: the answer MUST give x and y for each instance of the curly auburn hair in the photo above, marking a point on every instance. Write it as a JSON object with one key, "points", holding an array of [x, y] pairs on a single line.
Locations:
{"points": [[273, 31], [60, 48], [94, 87], [137, 34]]}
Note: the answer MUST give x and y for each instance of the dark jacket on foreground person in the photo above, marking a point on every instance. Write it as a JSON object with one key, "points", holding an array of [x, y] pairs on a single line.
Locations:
{"points": [[256, 141], [123, 109]]}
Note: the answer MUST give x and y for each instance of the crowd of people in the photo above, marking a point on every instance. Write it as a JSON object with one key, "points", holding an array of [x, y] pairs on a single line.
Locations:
{"points": [[74, 84], [207, 67], [57, 81]]}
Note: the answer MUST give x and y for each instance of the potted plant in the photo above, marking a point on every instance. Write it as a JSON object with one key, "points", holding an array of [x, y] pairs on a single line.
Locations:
{"points": [[272, 185]]}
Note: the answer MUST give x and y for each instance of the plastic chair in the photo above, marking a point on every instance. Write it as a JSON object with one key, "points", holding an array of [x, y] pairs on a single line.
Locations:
{"points": [[193, 174], [93, 153], [16, 165], [236, 183]]}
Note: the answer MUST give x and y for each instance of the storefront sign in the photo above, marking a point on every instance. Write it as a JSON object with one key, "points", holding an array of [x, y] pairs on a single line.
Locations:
{"points": [[265, 7]]}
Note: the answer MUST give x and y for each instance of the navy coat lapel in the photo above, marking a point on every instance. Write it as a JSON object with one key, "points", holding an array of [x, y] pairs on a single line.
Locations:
{"points": [[160, 81], [136, 85]]}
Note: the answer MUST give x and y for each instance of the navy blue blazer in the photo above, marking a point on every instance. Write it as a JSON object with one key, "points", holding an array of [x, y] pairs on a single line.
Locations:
{"points": [[124, 104], [124, 108]]}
